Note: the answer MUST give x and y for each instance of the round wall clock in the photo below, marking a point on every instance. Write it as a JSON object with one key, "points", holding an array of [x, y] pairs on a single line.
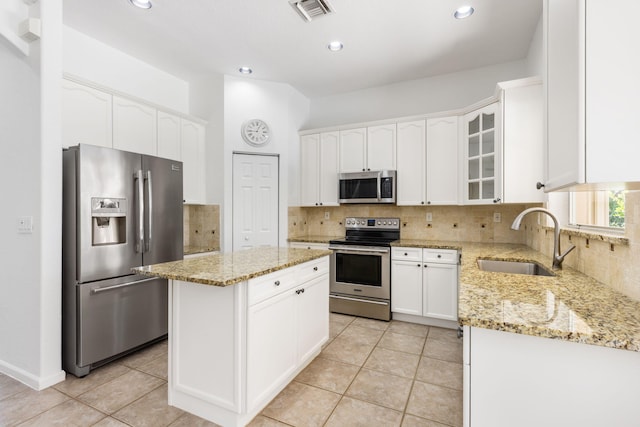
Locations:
{"points": [[255, 132]]}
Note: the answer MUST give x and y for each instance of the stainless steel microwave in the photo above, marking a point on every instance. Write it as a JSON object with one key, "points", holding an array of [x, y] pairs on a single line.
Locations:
{"points": [[367, 187]]}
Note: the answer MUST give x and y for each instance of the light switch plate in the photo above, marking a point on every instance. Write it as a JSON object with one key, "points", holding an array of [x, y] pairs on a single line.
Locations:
{"points": [[327, 215], [25, 224], [429, 217]]}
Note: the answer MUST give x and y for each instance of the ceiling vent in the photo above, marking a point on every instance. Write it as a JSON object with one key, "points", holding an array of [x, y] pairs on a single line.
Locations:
{"points": [[311, 9]]}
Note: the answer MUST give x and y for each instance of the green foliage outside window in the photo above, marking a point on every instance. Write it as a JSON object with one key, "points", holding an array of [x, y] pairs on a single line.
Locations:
{"points": [[616, 208]]}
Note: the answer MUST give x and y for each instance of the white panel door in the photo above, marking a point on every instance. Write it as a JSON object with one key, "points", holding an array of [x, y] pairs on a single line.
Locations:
{"points": [[134, 127], [440, 293], [86, 116], [255, 201], [442, 161], [328, 169], [312, 303], [353, 146], [411, 163], [406, 292], [309, 169], [169, 145]]}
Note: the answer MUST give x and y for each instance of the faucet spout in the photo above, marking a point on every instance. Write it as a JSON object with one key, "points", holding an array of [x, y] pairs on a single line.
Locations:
{"points": [[557, 257]]}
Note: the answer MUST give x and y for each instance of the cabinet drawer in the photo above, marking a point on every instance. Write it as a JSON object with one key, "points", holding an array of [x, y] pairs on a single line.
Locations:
{"points": [[443, 256], [272, 284], [312, 269], [406, 254]]}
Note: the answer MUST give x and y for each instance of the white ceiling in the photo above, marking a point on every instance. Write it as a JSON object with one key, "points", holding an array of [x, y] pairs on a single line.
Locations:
{"points": [[386, 41]]}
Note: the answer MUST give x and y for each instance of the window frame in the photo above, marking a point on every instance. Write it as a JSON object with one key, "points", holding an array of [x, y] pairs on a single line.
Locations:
{"points": [[572, 223]]}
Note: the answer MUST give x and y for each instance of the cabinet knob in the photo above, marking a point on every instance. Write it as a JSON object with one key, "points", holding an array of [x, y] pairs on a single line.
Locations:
{"points": [[316, 203], [428, 202], [439, 256], [368, 169], [363, 169], [496, 200], [419, 265], [422, 203], [315, 268], [425, 266], [277, 283], [320, 203], [539, 185], [406, 254]]}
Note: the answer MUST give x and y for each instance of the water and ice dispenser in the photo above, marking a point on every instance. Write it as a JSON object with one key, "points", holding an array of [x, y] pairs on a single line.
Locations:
{"points": [[109, 221]]}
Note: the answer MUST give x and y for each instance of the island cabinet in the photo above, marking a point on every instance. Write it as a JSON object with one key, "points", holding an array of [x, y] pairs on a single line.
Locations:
{"points": [[424, 285], [592, 93], [234, 348], [512, 379]]}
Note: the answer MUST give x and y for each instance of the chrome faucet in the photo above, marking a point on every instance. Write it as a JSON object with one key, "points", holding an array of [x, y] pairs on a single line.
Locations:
{"points": [[557, 257]]}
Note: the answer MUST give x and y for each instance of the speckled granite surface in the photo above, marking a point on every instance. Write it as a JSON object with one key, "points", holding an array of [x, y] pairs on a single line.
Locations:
{"points": [[191, 250], [569, 306], [314, 239], [231, 268]]}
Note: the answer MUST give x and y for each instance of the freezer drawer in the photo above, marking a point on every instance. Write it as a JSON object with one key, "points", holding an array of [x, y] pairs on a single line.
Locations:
{"points": [[119, 314]]}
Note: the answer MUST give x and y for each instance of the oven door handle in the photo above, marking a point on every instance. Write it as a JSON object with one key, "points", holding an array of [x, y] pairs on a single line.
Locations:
{"points": [[359, 300], [347, 250]]}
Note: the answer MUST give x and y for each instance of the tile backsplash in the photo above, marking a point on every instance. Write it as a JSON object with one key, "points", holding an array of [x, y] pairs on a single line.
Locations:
{"points": [[453, 223], [201, 228]]}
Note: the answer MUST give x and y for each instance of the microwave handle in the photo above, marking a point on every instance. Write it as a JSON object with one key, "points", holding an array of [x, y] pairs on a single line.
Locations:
{"points": [[379, 184]]}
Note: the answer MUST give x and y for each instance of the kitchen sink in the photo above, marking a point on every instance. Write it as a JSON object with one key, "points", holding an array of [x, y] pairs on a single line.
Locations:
{"points": [[513, 267]]}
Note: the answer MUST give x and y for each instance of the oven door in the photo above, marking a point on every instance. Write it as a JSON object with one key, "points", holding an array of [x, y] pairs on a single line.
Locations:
{"points": [[361, 271]]}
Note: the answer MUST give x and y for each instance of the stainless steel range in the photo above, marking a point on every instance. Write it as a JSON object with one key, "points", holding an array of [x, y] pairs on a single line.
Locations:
{"points": [[361, 268]]}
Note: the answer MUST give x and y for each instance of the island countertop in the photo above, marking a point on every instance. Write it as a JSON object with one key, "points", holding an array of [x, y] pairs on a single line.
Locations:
{"points": [[231, 268]]}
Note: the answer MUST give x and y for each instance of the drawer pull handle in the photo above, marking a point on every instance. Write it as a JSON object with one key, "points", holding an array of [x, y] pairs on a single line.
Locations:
{"points": [[277, 283], [315, 268]]}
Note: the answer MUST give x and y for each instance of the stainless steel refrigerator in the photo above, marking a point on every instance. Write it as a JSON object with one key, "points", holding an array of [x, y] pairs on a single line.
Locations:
{"points": [[120, 210]]}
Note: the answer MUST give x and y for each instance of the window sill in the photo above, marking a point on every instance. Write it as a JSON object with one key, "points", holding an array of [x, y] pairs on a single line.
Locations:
{"points": [[612, 238]]}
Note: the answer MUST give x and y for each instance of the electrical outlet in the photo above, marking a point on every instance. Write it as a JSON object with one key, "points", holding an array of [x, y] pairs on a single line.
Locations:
{"points": [[327, 215], [429, 217], [25, 224], [497, 217]]}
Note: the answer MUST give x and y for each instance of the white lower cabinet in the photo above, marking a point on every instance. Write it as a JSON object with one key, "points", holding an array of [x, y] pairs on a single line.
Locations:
{"points": [[233, 349], [424, 283]]}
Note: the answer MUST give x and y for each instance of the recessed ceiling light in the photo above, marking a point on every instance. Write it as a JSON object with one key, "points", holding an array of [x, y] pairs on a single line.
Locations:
{"points": [[245, 70], [335, 46], [463, 12], [142, 4]]}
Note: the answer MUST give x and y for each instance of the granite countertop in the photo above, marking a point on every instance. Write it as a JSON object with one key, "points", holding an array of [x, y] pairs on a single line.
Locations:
{"points": [[231, 268], [191, 250]]}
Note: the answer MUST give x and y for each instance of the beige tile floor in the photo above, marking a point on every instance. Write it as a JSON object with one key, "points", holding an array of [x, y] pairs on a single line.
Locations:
{"points": [[370, 373]]}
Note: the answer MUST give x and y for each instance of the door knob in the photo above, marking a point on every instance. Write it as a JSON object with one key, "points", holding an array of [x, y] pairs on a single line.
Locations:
{"points": [[246, 237]]}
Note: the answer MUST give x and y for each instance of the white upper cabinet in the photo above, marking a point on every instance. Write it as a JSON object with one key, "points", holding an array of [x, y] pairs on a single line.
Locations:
{"points": [[134, 126], [443, 162], [381, 147], [411, 163], [592, 92], [193, 176], [169, 139], [522, 142], [86, 115], [353, 150], [368, 149], [482, 156], [319, 169]]}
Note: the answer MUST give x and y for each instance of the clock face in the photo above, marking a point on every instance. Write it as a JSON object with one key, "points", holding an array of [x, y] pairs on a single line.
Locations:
{"points": [[255, 132]]}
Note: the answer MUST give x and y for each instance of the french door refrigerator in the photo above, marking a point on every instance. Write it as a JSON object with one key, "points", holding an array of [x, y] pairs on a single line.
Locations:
{"points": [[120, 210]]}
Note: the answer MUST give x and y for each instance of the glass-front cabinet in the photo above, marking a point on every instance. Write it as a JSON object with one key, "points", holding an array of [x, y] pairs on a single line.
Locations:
{"points": [[483, 168]]}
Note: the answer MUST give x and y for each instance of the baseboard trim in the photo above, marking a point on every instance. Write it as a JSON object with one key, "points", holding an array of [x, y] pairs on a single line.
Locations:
{"points": [[29, 379]]}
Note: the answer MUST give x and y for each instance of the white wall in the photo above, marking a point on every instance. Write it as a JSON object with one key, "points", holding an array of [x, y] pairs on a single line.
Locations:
{"points": [[285, 110], [30, 290], [535, 56], [100, 63], [429, 95]]}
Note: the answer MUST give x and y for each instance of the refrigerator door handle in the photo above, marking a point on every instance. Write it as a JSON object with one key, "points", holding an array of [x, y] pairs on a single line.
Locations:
{"points": [[149, 210], [140, 203], [122, 285]]}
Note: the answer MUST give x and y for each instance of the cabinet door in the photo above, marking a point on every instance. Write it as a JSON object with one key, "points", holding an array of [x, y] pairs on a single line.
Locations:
{"points": [[565, 158], [309, 169], [86, 116], [328, 170], [353, 145], [406, 288], [411, 163], [312, 316], [523, 144], [271, 345], [483, 166], [440, 293], [134, 127], [192, 161], [169, 145], [381, 147], [442, 161]]}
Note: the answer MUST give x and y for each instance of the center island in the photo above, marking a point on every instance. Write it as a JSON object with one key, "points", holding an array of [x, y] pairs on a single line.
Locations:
{"points": [[242, 325]]}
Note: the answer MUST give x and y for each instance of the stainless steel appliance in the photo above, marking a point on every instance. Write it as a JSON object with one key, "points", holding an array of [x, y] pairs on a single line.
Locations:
{"points": [[367, 187], [120, 210], [360, 274]]}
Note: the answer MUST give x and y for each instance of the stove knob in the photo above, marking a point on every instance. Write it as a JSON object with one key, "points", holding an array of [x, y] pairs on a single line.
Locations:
{"points": [[395, 222], [378, 222], [384, 222]]}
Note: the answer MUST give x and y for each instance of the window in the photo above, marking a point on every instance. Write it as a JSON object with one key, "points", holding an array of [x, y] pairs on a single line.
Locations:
{"points": [[598, 209]]}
